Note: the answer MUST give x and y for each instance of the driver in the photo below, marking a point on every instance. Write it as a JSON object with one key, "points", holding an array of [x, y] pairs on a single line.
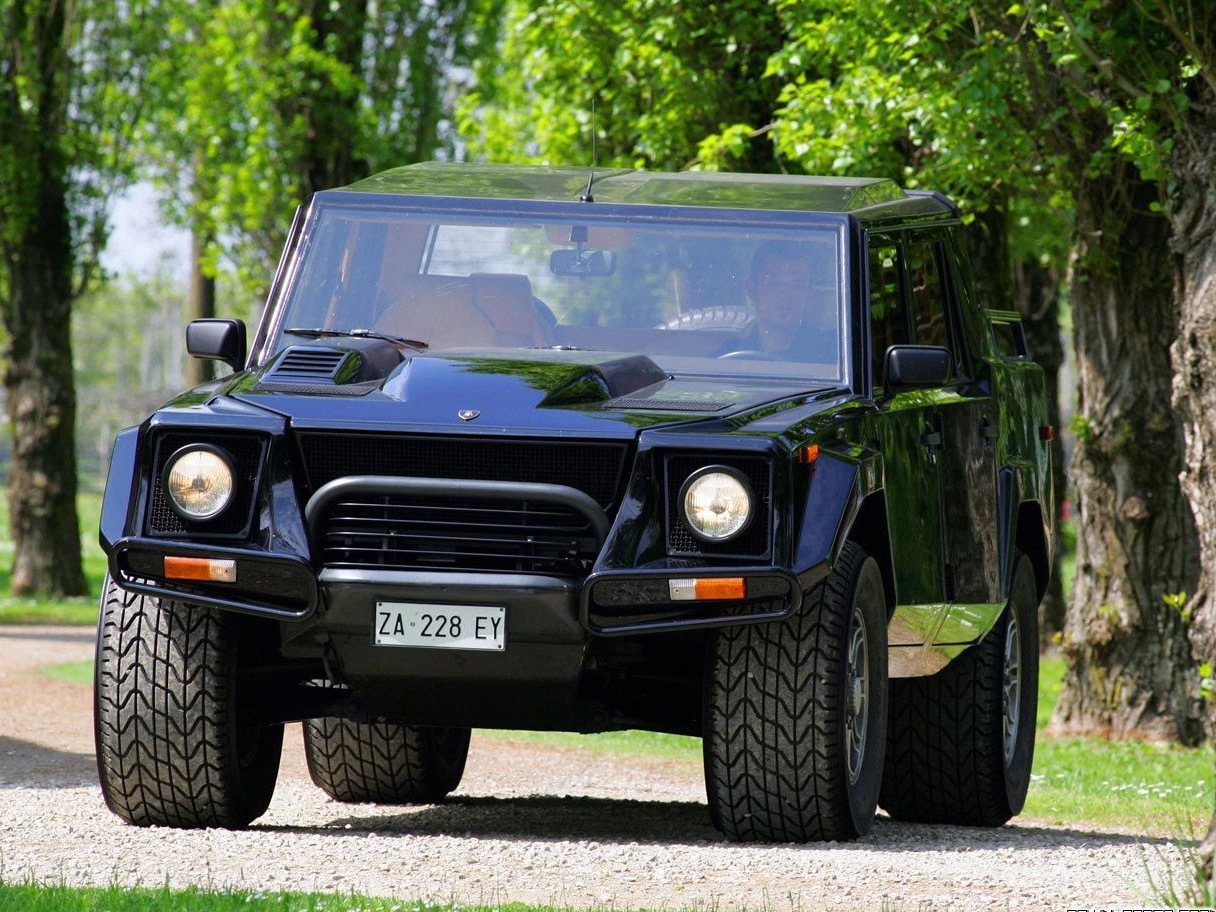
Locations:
{"points": [[791, 321]]}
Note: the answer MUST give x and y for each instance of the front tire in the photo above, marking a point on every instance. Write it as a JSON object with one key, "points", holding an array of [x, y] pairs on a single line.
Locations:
{"points": [[384, 762], [961, 743], [175, 743], [796, 714]]}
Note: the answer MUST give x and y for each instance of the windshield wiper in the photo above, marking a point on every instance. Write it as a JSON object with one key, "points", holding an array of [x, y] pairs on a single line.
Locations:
{"points": [[357, 334]]}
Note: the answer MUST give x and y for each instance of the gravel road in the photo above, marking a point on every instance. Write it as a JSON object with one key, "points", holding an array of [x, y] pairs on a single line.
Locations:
{"points": [[565, 827]]}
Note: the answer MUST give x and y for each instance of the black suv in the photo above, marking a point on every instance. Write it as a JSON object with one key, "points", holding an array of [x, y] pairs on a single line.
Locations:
{"points": [[725, 455]]}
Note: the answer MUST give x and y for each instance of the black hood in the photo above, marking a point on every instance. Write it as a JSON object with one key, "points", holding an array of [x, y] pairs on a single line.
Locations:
{"points": [[372, 385]]}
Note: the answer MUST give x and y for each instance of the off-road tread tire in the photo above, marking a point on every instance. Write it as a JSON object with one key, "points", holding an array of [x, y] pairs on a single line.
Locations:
{"points": [[945, 758], [170, 747], [384, 762], [776, 768]]}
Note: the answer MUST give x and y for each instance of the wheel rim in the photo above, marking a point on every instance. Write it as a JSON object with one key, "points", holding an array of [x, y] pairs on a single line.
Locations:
{"points": [[857, 695], [1012, 688]]}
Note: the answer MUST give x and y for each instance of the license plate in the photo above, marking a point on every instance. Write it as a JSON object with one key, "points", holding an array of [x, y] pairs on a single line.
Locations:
{"points": [[441, 626]]}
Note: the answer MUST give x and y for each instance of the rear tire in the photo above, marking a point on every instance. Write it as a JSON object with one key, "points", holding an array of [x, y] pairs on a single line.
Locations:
{"points": [[175, 743], [961, 743], [796, 714], [384, 762]]}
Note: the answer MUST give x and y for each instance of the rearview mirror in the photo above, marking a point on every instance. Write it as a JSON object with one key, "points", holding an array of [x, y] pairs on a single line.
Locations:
{"points": [[917, 366], [217, 340], [582, 262]]}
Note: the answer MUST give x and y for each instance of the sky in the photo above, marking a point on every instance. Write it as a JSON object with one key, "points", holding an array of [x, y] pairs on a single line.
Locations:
{"points": [[139, 239]]}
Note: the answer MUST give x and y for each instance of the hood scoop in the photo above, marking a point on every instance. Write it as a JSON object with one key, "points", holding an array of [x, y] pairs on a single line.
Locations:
{"points": [[308, 364], [324, 370]]}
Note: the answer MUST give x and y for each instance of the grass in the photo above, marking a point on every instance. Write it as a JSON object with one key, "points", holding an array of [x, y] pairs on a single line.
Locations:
{"points": [[34, 898], [71, 672], [82, 610], [1118, 784]]}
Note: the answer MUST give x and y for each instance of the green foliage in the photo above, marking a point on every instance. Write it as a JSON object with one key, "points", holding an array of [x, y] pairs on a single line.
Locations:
{"points": [[71, 85], [932, 94], [660, 76], [1141, 66], [261, 103]]}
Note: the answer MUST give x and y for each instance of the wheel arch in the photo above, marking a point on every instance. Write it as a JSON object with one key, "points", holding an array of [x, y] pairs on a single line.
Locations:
{"points": [[1031, 539], [869, 530]]}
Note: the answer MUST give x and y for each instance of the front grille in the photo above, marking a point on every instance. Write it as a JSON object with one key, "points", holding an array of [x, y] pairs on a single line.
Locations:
{"points": [[245, 452], [596, 468], [466, 534], [754, 542]]}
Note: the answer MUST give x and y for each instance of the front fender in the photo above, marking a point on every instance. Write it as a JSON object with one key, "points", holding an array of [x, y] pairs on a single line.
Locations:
{"points": [[121, 483]]}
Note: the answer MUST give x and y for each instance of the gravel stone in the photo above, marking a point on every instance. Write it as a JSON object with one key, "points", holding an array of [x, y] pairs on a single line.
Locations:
{"points": [[566, 827]]}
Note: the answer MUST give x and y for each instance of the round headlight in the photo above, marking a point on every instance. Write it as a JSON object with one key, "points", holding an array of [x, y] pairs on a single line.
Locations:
{"points": [[716, 503], [199, 482]]}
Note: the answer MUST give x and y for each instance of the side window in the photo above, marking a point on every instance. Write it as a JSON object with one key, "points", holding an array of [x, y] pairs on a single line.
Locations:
{"points": [[888, 318], [1009, 338], [928, 295]]}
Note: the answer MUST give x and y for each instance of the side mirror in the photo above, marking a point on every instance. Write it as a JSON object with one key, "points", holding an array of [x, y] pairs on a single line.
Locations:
{"points": [[911, 366], [217, 340]]}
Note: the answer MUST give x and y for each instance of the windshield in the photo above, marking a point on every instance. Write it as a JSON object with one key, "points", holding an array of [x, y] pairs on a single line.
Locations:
{"points": [[697, 299]]}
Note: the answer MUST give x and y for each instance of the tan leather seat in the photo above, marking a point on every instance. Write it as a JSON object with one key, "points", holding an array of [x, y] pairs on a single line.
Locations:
{"points": [[506, 300], [438, 310]]}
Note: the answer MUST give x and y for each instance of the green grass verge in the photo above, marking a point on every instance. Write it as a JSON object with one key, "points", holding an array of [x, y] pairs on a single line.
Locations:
{"points": [[81, 611], [71, 672], [32, 898], [1116, 783]]}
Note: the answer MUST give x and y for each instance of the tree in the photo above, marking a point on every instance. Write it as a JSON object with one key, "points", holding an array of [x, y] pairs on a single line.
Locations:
{"points": [[649, 80], [66, 72], [1157, 58], [982, 101], [259, 103]]}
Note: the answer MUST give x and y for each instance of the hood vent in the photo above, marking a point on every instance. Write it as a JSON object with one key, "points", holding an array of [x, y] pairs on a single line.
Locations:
{"points": [[666, 405], [304, 364]]}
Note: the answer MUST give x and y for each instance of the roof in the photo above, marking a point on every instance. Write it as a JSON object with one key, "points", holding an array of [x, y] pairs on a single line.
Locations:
{"points": [[685, 188]]}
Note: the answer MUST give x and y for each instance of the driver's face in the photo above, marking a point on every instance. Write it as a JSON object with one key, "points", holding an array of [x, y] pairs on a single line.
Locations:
{"points": [[781, 295]]}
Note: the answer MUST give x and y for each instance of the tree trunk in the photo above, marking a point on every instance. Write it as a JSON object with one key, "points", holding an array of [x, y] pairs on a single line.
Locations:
{"points": [[331, 110], [201, 304], [1193, 221], [37, 247], [1131, 671], [38, 382]]}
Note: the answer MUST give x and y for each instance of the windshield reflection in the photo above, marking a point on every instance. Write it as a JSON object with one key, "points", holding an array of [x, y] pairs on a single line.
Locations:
{"points": [[697, 299]]}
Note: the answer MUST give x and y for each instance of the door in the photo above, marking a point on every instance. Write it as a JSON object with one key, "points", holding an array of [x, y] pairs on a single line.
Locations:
{"points": [[965, 417]]}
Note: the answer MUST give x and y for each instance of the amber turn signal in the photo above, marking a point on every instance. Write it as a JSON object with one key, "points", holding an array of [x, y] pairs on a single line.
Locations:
{"points": [[686, 590], [806, 455], [200, 568]]}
